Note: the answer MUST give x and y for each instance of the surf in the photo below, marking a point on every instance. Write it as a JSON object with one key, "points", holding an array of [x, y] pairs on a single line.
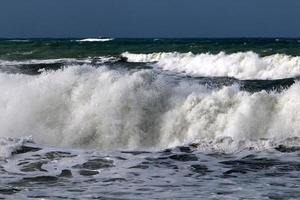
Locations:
{"points": [[241, 65], [87, 107]]}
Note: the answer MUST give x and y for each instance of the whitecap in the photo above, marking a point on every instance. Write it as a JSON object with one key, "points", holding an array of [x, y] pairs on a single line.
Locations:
{"points": [[83, 106], [242, 65], [95, 40]]}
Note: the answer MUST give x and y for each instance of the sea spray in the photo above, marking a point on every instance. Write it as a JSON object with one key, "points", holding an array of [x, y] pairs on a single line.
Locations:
{"points": [[242, 65], [102, 108]]}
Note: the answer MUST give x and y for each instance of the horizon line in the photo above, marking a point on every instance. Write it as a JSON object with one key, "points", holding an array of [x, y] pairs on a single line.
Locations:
{"points": [[256, 37]]}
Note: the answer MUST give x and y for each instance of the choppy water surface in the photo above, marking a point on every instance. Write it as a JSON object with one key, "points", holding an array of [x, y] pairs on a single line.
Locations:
{"points": [[182, 172], [103, 118]]}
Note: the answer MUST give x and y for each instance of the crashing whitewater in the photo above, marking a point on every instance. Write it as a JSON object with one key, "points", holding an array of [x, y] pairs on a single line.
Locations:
{"points": [[241, 65], [88, 107]]}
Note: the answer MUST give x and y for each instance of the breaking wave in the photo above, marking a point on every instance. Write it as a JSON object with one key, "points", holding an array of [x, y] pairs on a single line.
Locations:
{"points": [[18, 66], [66, 61], [83, 106], [95, 40], [242, 65]]}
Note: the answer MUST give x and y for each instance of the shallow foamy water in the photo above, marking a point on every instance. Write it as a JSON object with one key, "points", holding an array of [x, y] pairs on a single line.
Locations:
{"points": [[35, 172]]}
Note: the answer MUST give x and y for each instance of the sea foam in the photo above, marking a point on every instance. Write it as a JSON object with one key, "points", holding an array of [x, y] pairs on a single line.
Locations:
{"points": [[242, 65], [83, 106], [95, 40]]}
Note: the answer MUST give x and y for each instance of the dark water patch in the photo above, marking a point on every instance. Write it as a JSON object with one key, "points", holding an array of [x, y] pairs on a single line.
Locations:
{"points": [[220, 155], [200, 169], [76, 190], [122, 62], [135, 152], [235, 170], [268, 85], [160, 162], [9, 190], [120, 158], [49, 197], [41, 179], [25, 149], [94, 164], [253, 164], [140, 166], [38, 196], [35, 166], [184, 157], [289, 166], [114, 180], [277, 195], [167, 151], [34, 69], [278, 184], [286, 149], [224, 192], [185, 149], [35, 162], [275, 174], [84, 172], [246, 85], [211, 82], [65, 173], [97, 164], [270, 167], [156, 159], [55, 155]]}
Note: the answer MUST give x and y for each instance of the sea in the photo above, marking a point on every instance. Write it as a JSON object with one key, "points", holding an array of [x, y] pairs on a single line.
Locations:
{"points": [[155, 118]]}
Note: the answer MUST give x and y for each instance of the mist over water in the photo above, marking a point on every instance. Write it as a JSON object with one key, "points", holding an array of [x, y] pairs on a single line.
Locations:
{"points": [[149, 118]]}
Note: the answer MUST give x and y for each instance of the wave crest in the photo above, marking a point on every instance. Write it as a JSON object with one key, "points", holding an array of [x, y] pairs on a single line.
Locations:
{"points": [[95, 40], [242, 65], [108, 109]]}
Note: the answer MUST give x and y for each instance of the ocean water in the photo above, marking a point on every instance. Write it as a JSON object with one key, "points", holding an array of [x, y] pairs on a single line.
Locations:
{"points": [[104, 118]]}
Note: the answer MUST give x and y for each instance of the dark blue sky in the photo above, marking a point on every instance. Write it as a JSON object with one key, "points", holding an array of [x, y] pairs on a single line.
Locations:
{"points": [[150, 18]]}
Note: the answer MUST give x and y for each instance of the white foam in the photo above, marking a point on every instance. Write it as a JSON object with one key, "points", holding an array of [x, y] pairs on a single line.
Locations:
{"points": [[18, 40], [152, 57], [11, 65], [9, 145], [95, 40], [95, 107], [228, 145], [41, 61], [243, 65]]}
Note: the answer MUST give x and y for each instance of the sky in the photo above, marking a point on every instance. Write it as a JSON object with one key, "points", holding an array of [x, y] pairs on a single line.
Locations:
{"points": [[149, 18]]}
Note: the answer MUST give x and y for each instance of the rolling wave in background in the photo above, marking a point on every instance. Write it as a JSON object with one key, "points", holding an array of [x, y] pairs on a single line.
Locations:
{"points": [[95, 40], [243, 65]]}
